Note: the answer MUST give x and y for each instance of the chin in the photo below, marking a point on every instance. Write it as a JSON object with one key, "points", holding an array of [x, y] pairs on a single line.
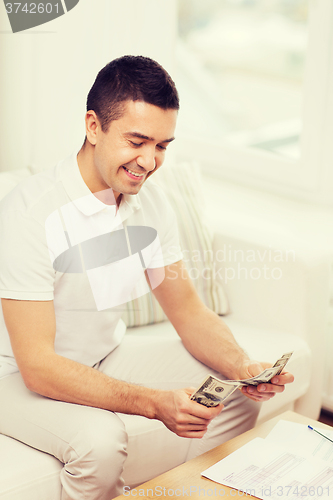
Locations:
{"points": [[133, 191]]}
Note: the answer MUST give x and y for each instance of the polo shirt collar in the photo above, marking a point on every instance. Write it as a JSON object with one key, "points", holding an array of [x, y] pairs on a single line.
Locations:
{"points": [[83, 198]]}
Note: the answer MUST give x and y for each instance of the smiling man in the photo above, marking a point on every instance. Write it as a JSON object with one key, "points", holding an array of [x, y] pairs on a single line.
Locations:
{"points": [[68, 373], [132, 148]]}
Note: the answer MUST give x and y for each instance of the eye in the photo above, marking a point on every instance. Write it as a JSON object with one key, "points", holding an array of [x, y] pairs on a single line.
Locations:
{"points": [[136, 144], [162, 148]]}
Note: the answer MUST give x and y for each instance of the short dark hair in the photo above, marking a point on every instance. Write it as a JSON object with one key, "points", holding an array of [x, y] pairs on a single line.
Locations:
{"points": [[130, 78]]}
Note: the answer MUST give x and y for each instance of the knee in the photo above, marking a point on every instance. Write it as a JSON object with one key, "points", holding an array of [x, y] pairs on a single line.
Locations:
{"points": [[107, 444], [99, 449]]}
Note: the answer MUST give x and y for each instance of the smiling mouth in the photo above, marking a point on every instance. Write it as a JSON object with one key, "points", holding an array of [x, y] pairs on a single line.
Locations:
{"points": [[134, 174]]}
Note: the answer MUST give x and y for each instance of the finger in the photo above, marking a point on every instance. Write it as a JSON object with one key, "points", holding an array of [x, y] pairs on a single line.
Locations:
{"points": [[215, 410], [255, 368], [252, 391], [187, 430], [262, 392], [270, 388], [198, 410], [193, 420], [210, 413], [254, 397], [193, 427], [190, 390], [259, 397], [192, 434], [283, 378]]}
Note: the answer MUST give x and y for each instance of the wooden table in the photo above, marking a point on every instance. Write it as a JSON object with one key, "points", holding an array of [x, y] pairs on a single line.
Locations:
{"points": [[186, 480]]}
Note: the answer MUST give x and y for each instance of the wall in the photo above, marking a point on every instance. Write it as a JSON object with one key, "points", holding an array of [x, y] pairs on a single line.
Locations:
{"points": [[48, 70]]}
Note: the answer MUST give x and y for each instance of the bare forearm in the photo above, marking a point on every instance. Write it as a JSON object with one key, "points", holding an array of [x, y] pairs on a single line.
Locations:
{"points": [[66, 380], [203, 333], [208, 339]]}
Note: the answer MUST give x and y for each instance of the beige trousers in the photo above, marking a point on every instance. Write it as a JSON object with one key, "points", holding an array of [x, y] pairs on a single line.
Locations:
{"points": [[90, 442]]}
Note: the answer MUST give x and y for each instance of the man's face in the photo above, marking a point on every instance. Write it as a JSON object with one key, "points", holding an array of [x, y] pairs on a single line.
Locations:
{"points": [[132, 148]]}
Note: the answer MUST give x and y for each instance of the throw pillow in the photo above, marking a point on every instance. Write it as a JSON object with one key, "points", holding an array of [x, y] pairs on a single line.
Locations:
{"points": [[182, 186]]}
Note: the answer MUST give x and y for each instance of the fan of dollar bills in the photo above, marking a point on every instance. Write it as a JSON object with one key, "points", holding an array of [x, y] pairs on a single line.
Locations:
{"points": [[213, 391]]}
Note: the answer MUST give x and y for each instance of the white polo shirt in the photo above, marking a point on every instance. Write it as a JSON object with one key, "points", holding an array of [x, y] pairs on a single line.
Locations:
{"points": [[60, 242]]}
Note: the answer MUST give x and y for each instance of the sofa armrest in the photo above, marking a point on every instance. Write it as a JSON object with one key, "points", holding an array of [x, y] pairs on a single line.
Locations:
{"points": [[282, 289]]}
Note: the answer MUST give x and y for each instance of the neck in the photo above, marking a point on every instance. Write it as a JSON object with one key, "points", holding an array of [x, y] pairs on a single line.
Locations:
{"points": [[85, 160]]}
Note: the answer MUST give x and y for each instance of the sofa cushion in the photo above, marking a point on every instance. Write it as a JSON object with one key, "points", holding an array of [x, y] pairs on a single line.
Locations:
{"points": [[27, 473], [183, 187]]}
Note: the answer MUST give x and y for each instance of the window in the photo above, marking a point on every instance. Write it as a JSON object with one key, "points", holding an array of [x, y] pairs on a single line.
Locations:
{"points": [[254, 54], [253, 77]]}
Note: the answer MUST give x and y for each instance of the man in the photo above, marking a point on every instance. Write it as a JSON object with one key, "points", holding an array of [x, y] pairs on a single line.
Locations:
{"points": [[61, 306]]}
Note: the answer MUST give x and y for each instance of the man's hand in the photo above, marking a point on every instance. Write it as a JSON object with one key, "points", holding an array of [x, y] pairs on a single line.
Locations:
{"points": [[182, 416], [263, 392]]}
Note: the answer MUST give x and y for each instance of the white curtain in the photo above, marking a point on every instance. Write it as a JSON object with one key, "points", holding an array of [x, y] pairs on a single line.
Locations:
{"points": [[46, 72]]}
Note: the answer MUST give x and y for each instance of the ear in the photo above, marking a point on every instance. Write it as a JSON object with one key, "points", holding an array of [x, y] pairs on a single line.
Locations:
{"points": [[92, 126]]}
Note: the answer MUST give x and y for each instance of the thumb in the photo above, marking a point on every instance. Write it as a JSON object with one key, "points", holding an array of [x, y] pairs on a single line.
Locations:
{"points": [[189, 390], [254, 368]]}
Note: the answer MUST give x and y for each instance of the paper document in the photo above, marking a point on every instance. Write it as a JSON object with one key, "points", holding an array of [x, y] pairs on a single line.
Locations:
{"points": [[293, 436], [293, 462]]}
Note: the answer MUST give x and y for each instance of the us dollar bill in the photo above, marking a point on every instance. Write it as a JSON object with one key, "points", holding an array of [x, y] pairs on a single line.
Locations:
{"points": [[281, 363], [268, 374], [214, 391]]}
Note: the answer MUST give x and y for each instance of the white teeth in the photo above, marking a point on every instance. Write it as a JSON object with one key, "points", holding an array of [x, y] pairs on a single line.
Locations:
{"points": [[133, 173]]}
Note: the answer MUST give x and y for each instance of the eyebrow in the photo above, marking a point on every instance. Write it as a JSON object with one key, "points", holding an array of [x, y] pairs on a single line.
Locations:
{"points": [[145, 137]]}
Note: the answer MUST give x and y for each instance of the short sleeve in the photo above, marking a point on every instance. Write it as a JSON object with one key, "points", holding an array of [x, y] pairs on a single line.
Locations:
{"points": [[26, 271]]}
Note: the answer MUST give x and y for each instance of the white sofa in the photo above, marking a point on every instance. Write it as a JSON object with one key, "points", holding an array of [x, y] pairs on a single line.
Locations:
{"points": [[268, 318]]}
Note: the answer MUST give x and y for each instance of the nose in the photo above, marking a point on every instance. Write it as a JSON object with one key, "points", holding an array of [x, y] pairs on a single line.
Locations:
{"points": [[147, 159]]}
